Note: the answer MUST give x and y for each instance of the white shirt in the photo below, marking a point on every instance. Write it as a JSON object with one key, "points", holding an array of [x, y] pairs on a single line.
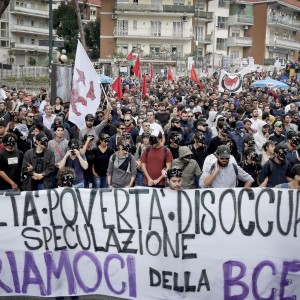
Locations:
{"points": [[48, 121]]}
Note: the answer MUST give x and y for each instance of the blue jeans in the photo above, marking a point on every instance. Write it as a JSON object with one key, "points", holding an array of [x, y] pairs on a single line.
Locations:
{"points": [[79, 185], [40, 186], [100, 182], [139, 178]]}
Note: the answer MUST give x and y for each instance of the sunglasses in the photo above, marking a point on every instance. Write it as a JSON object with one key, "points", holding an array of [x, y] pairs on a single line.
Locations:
{"points": [[30, 116], [122, 128], [127, 120], [280, 126], [224, 158], [176, 122]]}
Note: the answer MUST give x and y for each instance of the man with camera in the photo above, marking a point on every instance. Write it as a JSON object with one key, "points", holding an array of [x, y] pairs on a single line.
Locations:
{"points": [[75, 160], [291, 146], [38, 165]]}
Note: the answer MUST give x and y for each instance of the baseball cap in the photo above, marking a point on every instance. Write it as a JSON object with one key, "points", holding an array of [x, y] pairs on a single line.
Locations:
{"points": [[239, 124], [202, 123], [223, 151], [39, 136], [277, 124]]}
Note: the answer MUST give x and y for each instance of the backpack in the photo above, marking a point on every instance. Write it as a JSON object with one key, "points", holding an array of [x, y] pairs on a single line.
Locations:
{"points": [[165, 153], [127, 160]]}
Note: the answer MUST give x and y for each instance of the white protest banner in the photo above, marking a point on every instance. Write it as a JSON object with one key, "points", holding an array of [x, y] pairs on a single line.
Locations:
{"points": [[151, 243], [86, 91]]}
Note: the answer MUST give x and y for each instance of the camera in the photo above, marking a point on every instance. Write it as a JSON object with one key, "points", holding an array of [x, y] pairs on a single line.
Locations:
{"points": [[73, 148]]}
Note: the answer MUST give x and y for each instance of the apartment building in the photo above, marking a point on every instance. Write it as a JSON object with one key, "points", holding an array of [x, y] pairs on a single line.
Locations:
{"points": [[25, 25]]}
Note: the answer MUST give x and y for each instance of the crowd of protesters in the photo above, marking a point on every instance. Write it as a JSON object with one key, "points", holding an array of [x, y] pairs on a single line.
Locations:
{"points": [[181, 135]]}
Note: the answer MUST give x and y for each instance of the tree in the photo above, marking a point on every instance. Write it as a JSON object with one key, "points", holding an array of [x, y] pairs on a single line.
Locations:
{"points": [[66, 26], [92, 39], [3, 5]]}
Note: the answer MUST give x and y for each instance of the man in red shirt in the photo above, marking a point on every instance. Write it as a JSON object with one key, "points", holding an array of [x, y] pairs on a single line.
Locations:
{"points": [[156, 161]]}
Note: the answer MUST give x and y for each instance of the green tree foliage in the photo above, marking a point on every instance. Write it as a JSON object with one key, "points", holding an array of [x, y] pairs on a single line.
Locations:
{"points": [[3, 5], [92, 39], [66, 26]]}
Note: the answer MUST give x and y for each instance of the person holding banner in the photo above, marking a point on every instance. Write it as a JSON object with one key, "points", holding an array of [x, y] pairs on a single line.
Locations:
{"points": [[10, 164], [38, 165], [223, 174], [174, 177], [295, 182], [121, 171]]}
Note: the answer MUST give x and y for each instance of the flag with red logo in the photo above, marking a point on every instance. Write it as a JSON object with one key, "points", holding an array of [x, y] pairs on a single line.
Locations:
{"points": [[86, 91], [130, 59]]}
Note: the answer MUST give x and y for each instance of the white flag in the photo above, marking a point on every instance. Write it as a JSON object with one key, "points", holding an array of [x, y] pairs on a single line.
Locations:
{"points": [[86, 91]]}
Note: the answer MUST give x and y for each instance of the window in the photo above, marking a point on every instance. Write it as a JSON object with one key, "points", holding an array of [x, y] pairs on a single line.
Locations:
{"points": [[223, 22], [93, 13], [21, 39], [155, 28], [199, 33], [235, 33], [221, 44], [20, 22], [223, 3], [20, 3], [179, 2], [3, 29], [136, 48], [32, 23], [134, 24], [4, 44], [32, 41], [122, 49], [177, 29], [234, 54], [122, 27], [154, 49]]}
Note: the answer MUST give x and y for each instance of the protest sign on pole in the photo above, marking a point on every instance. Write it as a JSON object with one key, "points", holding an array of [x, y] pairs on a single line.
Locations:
{"points": [[149, 243]]}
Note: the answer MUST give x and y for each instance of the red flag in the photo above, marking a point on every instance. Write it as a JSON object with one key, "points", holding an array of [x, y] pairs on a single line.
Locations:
{"points": [[170, 75], [151, 73], [144, 86], [117, 87], [194, 77], [130, 58], [136, 68]]}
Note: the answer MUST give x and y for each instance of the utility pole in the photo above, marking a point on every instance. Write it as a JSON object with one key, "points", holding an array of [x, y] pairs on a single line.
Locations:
{"points": [[80, 27], [50, 36], [197, 38]]}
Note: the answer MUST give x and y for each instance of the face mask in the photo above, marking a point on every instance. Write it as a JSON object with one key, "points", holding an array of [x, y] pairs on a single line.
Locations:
{"points": [[67, 180], [44, 141], [126, 147], [282, 153], [153, 140], [254, 157], [176, 139], [10, 142]]}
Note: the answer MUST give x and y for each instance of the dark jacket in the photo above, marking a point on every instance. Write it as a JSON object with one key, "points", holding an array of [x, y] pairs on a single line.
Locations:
{"points": [[30, 157]]}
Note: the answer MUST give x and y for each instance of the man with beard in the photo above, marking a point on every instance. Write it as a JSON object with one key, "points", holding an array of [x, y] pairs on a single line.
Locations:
{"points": [[175, 140], [223, 174], [174, 176], [10, 164], [90, 129]]}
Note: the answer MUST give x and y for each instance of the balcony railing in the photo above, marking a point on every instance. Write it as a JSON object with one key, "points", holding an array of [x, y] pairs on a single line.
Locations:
{"points": [[239, 42], [204, 15], [34, 9], [284, 21], [206, 39], [122, 7], [283, 43], [240, 20], [30, 47], [149, 33], [30, 29], [179, 8]]}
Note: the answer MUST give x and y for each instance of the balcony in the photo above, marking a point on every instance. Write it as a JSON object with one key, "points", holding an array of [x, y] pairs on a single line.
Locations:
{"points": [[151, 34], [206, 39], [30, 30], [35, 10], [239, 41], [283, 44], [284, 22], [29, 47], [240, 20], [204, 16], [179, 9], [131, 7]]}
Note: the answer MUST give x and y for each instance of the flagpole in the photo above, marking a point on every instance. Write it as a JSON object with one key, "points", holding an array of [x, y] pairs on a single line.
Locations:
{"points": [[120, 66], [106, 98]]}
